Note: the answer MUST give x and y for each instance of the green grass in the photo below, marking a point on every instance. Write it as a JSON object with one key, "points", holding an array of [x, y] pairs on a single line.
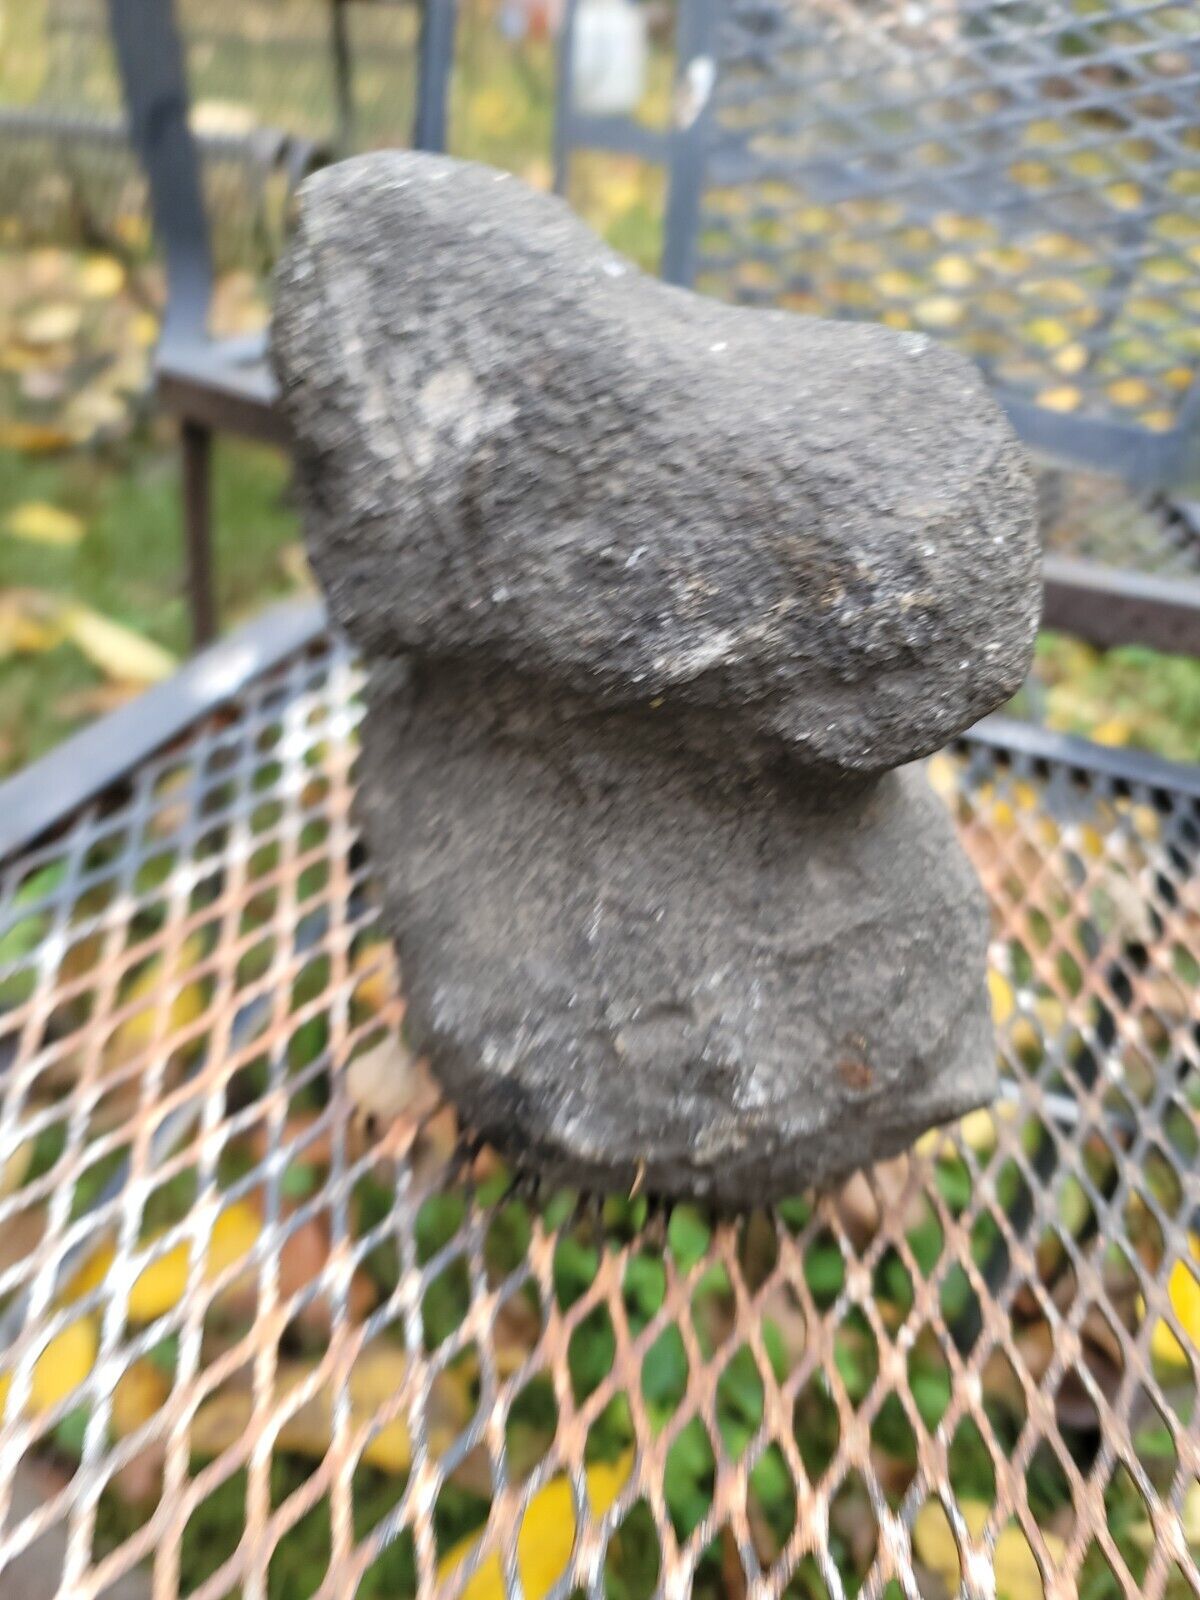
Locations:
{"points": [[1132, 696], [129, 563]]}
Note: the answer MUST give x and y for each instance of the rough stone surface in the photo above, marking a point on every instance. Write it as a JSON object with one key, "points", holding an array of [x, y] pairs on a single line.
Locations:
{"points": [[654, 592]]}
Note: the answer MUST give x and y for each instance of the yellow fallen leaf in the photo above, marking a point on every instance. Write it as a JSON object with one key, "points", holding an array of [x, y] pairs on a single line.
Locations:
{"points": [[144, 329], [1061, 399], [116, 650], [161, 1285], [138, 1030], [1017, 1574], [375, 968], [222, 118], [955, 272], [1001, 993], [1047, 333], [61, 1367], [1071, 359], [943, 775], [1113, 731], [1183, 1291], [101, 277], [1129, 392], [91, 1274], [1125, 196], [33, 438], [51, 324], [546, 1537], [938, 311], [978, 1131], [42, 523], [934, 1546], [141, 1393]]}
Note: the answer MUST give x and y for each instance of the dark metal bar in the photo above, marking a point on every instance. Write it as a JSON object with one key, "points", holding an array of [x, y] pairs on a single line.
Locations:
{"points": [[435, 61], [695, 69], [1142, 458], [620, 135], [1110, 606], [49, 791], [565, 126], [343, 74], [196, 443], [150, 56]]}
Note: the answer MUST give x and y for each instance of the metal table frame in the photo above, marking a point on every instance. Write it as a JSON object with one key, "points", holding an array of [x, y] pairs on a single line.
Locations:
{"points": [[1041, 1251], [1104, 605]]}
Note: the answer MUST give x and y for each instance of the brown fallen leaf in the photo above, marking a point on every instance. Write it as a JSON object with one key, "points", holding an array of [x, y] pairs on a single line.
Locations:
{"points": [[303, 1258], [43, 385], [21, 1235], [515, 1333], [12, 1173], [34, 438], [293, 563], [97, 700], [388, 1082]]}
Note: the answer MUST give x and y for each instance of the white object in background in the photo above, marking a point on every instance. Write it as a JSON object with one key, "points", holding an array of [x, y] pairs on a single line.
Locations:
{"points": [[608, 58]]}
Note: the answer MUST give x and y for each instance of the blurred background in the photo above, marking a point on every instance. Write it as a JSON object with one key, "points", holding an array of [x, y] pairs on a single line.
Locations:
{"points": [[93, 592], [1019, 176]]}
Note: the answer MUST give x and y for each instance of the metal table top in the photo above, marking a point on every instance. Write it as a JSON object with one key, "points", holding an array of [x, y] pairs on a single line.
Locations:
{"points": [[273, 1325]]}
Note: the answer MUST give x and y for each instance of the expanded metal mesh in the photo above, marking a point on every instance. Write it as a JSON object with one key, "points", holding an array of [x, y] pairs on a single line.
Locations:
{"points": [[1087, 514], [274, 1327], [270, 82], [1016, 175]]}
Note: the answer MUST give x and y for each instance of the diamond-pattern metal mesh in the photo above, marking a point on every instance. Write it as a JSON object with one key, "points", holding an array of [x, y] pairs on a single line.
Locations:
{"points": [[1019, 176], [273, 1327], [1090, 515], [261, 73]]}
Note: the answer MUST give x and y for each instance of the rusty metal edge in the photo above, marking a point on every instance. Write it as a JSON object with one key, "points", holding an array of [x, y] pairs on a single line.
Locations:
{"points": [[1110, 606], [45, 794]]}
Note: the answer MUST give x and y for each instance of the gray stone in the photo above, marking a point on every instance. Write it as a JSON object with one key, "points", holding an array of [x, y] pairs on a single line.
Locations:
{"points": [[655, 592]]}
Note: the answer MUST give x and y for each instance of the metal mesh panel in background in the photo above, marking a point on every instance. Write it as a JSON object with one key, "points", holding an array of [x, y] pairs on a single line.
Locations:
{"points": [[345, 1354], [1086, 514], [1019, 177], [261, 73]]}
